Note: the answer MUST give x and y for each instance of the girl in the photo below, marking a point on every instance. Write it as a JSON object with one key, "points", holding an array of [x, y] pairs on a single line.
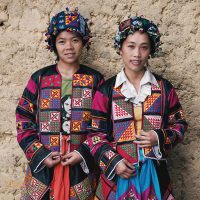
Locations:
{"points": [[53, 114], [137, 119]]}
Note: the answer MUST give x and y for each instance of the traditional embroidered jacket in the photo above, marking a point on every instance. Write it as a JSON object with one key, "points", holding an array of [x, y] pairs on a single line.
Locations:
{"points": [[113, 132], [38, 117]]}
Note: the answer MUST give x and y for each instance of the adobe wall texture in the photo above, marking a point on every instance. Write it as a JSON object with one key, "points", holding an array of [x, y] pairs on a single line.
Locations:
{"points": [[22, 51]]}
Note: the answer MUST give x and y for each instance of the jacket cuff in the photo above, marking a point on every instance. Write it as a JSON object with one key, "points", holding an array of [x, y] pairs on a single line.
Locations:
{"points": [[110, 172], [36, 164], [161, 140], [88, 161], [83, 164]]}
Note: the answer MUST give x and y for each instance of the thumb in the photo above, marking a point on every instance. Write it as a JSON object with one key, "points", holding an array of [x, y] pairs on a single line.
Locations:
{"points": [[69, 155], [128, 164]]}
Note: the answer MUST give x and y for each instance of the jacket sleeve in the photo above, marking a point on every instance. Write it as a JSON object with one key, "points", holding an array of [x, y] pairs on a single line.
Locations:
{"points": [[174, 123], [99, 141], [27, 126]]}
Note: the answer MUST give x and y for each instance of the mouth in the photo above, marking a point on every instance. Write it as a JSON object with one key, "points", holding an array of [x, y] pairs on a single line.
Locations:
{"points": [[69, 54], [135, 62]]}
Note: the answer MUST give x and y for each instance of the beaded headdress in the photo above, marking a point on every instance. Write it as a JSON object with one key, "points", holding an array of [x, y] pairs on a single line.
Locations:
{"points": [[133, 24], [71, 21]]}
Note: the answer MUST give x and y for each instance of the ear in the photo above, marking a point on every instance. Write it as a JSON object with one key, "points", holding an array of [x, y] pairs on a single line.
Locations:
{"points": [[120, 52]]}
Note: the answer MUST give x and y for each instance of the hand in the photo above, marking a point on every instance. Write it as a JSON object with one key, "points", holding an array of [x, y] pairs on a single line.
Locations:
{"points": [[52, 160], [146, 139], [125, 169], [71, 158]]}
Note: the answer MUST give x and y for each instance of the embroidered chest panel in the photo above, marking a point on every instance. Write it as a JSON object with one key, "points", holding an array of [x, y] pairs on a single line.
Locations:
{"points": [[123, 115], [50, 103]]}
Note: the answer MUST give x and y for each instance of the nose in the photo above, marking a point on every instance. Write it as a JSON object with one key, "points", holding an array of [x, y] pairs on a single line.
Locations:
{"points": [[136, 52], [68, 45]]}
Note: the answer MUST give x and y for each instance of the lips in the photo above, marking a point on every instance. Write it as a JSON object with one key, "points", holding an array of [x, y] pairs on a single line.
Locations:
{"points": [[69, 54], [135, 62]]}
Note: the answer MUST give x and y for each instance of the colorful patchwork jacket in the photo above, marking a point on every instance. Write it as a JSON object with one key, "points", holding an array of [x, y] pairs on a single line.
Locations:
{"points": [[38, 117], [113, 132]]}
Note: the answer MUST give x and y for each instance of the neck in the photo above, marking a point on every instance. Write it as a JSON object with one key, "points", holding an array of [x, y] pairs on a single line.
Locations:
{"points": [[67, 70], [134, 77]]}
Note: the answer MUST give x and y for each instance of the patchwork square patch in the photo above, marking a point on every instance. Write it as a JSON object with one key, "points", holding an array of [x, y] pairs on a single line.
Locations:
{"points": [[45, 126], [87, 93], [45, 103], [76, 126], [76, 102], [55, 93]]}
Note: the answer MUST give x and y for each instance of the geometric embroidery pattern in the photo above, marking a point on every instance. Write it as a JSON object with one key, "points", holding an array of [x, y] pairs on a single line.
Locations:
{"points": [[151, 122], [96, 122], [83, 189], [87, 93], [109, 154], [54, 140], [150, 101], [54, 126], [119, 113], [86, 115], [33, 187], [32, 149], [49, 121], [77, 102], [87, 102], [45, 126], [154, 87], [131, 150], [77, 115], [76, 126], [77, 92], [126, 105], [82, 80], [26, 105], [117, 92], [50, 99], [170, 197], [72, 193], [51, 142], [124, 131], [51, 81], [102, 165], [96, 139], [77, 139]]}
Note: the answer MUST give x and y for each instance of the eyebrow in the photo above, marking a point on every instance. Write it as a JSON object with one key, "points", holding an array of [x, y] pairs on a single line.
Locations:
{"points": [[136, 43], [63, 38]]}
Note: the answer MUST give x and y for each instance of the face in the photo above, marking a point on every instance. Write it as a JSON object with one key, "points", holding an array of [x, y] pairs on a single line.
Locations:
{"points": [[135, 52], [69, 47]]}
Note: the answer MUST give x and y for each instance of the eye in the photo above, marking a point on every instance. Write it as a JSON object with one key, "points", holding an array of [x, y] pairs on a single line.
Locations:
{"points": [[61, 42], [76, 40], [144, 47], [131, 46]]}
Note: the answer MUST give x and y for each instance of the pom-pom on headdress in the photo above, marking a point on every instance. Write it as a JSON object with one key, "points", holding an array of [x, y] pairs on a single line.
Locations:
{"points": [[133, 24], [71, 21]]}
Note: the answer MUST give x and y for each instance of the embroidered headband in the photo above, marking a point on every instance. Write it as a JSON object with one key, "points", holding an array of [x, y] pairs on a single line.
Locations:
{"points": [[133, 24], [71, 21]]}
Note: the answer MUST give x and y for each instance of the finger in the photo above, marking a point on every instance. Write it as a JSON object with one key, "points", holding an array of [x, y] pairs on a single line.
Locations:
{"points": [[145, 146], [142, 137], [129, 165], [124, 176], [142, 132], [55, 153], [142, 142], [67, 162]]}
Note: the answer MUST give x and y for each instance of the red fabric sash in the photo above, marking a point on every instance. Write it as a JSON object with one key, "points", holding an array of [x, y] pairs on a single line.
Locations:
{"points": [[60, 184]]}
